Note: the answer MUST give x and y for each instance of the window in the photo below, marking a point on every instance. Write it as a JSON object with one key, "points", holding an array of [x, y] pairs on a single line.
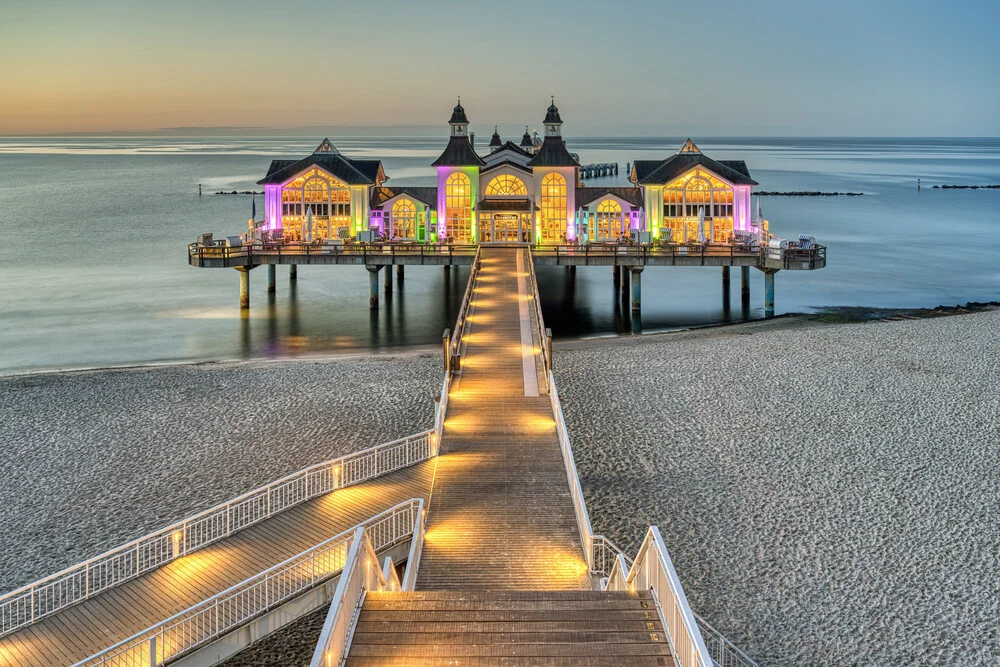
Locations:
{"points": [[404, 220], [458, 207], [696, 192], [609, 220], [328, 199], [506, 185], [553, 209]]}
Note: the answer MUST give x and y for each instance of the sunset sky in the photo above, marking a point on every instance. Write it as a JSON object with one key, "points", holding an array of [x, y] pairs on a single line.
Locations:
{"points": [[772, 67]]}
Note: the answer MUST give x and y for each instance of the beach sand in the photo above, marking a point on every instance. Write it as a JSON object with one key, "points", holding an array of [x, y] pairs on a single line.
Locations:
{"points": [[828, 493]]}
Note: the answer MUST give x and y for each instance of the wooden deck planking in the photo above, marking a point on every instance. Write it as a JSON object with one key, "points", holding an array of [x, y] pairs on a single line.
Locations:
{"points": [[501, 515], [86, 628]]}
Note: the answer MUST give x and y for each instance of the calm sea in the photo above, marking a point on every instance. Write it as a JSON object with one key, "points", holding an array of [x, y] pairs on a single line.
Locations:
{"points": [[93, 266]]}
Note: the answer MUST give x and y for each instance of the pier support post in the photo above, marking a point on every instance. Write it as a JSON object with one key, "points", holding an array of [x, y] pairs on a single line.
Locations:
{"points": [[725, 285], [769, 293], [271, 271], [388, 281], [373, 286], [399, 273], [745, 286], [636, 289], [616, 275], [293, 272], [244, 286]]}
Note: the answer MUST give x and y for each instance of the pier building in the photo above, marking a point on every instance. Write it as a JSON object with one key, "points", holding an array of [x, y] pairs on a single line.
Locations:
{"points": [[686, 209]]}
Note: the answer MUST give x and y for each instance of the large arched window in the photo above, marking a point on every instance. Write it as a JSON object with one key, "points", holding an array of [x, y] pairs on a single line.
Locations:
{"points": [[506, 184], [609, 219], [327, 198], [458, 207], [553, 209], [694, 193], [404, 219]]}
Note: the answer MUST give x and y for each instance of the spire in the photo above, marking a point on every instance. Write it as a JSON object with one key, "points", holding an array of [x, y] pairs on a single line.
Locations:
{"points": [[526, 139], [495, 141], [326, 146], [553, 123]]}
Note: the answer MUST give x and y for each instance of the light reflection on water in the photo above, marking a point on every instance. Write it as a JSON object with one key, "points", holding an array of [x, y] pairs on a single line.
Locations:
{"points": [[93, 267]]}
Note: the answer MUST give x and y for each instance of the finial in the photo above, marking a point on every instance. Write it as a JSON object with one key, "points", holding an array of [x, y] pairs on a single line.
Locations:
{"points": [[553, 100]]}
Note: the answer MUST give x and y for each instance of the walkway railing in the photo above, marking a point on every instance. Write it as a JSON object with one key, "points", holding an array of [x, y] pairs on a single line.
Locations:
{"points": [[816, 254], [319, 249], [455, 347], [218, 615], [540, 331], [604, 558], [362, 574], [30, 603]]}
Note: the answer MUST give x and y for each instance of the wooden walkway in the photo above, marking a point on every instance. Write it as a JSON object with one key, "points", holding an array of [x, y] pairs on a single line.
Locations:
{"points": [[91, 626], [501, 515]]}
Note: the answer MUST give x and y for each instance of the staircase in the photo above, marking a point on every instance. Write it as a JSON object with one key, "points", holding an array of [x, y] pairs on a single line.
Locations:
{"points": [[515, 628]]}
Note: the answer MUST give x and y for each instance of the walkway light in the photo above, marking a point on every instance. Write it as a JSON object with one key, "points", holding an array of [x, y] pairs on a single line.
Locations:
{"points": [[177, 543]]}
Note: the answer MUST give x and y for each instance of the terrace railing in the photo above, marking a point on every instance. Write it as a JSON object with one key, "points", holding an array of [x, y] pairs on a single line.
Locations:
{"points": [[318, 249], [220, 614], [815, 254], [30, 603]]}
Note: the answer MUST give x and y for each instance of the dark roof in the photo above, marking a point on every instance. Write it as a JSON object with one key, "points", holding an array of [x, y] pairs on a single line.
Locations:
{"points": [[553, 153], [458, 153], [511, 146], [738, 165], [587, 195], [352, 172], [552, 114], [506, 163], [504, 205], [495, 139], [526, 139], [424, 194], [458, 116], [647, 171]]}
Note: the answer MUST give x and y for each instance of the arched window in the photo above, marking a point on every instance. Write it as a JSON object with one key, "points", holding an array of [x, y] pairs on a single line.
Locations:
{"points": [[553, 209], [458, 207], [609, 219], [327, 198], [404, 219], [693, 193], [506, 184]]}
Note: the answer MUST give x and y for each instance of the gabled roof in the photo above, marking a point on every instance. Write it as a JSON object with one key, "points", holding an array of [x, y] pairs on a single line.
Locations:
{"points": [[553, 153], [458, 153], [586, 195], [688, 147], [326, 146], [506, 163], [423, 194], [738, 165], [645, 172], [352, 172]]}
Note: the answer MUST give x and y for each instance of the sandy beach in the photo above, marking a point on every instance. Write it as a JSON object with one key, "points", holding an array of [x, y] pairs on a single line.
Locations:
{"points": [[828, 493]]}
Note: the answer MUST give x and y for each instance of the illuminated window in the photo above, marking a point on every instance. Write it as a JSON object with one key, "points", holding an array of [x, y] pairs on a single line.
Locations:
{"points": [[506, 185], [698, 192], [328, 199], [553, 209], [458, 207], [609, 219], [404, 219]]}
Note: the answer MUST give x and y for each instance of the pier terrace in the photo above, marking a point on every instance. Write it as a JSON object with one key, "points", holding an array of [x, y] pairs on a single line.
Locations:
{"points": [[467, 544]]}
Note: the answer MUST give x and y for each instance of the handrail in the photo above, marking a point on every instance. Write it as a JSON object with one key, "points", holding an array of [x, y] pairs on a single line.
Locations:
{"points": [[606, 558], [463, 310], [539, 320], [237, 605], [34, 601], [653, 570], [335, 638]]}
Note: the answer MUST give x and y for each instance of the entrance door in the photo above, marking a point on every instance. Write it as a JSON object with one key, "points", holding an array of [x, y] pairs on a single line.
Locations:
{"points": [[506, 228]]}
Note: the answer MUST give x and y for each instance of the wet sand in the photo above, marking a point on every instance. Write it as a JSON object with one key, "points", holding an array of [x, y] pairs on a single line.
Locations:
{"points": [[828, 492]]}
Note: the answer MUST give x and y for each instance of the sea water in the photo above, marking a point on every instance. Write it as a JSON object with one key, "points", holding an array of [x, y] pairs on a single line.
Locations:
{"points": [[94, 234]]}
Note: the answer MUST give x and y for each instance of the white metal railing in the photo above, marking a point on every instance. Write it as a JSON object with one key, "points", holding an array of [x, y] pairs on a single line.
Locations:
{"points": [[463, 312], [29, 603], [362, 574], [604, 557], [653, 570], [204, 622], [539, 320]]}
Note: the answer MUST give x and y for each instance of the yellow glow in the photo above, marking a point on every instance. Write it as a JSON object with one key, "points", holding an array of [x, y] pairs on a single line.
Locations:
{"points": [[506, 185]]}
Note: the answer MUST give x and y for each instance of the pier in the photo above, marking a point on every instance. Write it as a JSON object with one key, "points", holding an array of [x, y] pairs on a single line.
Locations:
{"points": [[469, 543]]}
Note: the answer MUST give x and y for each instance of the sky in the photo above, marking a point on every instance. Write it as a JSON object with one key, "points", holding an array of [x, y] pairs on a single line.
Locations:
{"points": [[707, 68]]}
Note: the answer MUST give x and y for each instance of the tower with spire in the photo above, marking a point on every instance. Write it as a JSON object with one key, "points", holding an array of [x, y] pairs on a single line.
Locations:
{"points": [[495, 141], [458, 181]]}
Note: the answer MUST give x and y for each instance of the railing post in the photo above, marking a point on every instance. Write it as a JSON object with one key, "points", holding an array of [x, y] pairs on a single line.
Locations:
{"points": [[152, 651]]}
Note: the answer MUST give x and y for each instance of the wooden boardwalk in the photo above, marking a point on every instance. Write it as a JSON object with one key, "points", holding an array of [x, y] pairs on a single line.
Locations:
{"points": [[89, 627], [501, 515]]}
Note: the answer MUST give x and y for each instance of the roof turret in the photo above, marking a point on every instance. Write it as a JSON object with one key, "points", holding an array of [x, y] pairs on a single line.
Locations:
{"points": [[495, 141], [458, 116], [552, 113], [526, 139]]}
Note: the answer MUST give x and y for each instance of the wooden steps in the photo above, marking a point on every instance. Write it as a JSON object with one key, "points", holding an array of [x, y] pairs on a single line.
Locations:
{"points": [[522, 628]]}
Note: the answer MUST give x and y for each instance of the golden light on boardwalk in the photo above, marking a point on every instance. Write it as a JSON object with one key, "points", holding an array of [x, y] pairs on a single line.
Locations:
{"points": [[196, 565]]}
